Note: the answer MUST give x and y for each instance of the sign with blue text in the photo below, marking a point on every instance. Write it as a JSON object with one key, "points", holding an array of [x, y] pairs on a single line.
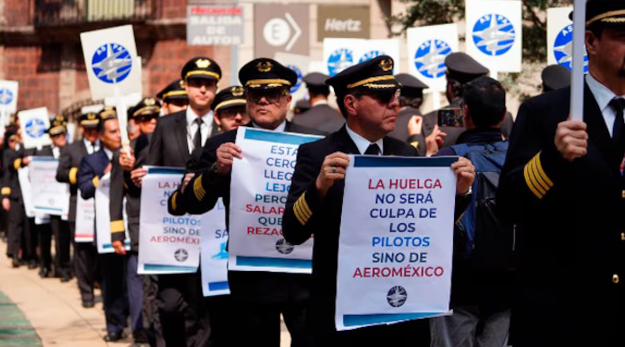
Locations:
{"points": [[396, 240], [427, 49], [494, 33], [167, 244], [560, 38], [111, 61], [214, 251], [257, 206]]}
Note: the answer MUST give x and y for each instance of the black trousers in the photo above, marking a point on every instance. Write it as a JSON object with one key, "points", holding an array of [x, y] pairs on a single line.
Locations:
{"points": [[31, 241], [151, 317], [62, 240], [85, 267], [260, 323], [16, 228], [44, 239], [183, 314], [113, 268]]}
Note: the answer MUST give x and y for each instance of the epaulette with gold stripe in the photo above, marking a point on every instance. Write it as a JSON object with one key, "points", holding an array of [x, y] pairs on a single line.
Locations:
{"points": [[117, 226], [198, 190], [536, 178], [302, 211], [73, 175]]}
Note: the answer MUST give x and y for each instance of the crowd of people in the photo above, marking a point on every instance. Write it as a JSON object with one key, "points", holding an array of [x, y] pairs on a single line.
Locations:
{"points": [[538, 243]]}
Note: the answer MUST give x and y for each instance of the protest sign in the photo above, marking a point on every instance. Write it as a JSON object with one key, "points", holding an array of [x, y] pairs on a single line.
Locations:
{"points": [[50, 197], [339, 54], [257, 205], [167, 244], [214, 253], [85, 219], [34, 124], [396, 240], [103, 217], [8, 101], [23, 177], [427, 49]]}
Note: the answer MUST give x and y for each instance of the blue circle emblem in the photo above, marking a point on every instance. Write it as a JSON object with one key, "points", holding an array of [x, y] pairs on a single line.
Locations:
{"points": [[111, 63], [340, 60], [370, 55], [5, 96], [397, 296], [563, 49], [35, 128], [284, 247], [430, 58], [494, 34], [181, 255], [299, 78]]}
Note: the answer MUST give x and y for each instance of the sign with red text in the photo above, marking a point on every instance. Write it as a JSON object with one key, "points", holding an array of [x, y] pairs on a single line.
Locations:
{"points": [[167, 244], [257, 205], [216, 25], [85, 219], [396, 240], [51, 197]]}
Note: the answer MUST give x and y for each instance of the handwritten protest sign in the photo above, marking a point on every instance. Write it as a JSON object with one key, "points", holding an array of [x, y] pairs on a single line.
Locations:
{"points": [[396, 241]]}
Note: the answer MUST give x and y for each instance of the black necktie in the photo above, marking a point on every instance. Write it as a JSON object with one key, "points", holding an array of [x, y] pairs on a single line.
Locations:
{"points": [[373, 149], [93, 147], [197, 139], [618, 105]]}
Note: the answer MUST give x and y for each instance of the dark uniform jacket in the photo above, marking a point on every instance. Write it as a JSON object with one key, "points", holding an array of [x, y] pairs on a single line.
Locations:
{"points": [[10, 183], [67, 172], [401, 130], [572, 250], [123, 187], [169, 146], [321, 117], [266, 286], [324, 219], [91, 171]]}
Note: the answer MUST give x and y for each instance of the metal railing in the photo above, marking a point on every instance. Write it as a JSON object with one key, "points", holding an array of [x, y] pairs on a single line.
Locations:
{"points": [[71, 12]]}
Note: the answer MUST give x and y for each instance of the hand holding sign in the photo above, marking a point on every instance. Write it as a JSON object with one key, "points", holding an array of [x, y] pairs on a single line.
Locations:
{"points": [[332, 169], [225, 156], [465, 174], [572, 139]]}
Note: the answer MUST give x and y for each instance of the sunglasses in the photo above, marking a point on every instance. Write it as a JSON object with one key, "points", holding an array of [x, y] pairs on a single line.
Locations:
{"points": [[147, 118], [383, 96], [179, 103], [272, 96], [232, 112]]}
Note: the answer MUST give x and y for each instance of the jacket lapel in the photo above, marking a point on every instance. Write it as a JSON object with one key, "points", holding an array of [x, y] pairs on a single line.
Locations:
{"points": [[181, 134], [344, 142], [597, 129]]}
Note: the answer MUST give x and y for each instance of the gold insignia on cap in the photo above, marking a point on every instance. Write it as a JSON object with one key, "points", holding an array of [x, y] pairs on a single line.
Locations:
{"points": [[386, 65], [91, 116], [264, 66], [149, 102], [202, 63], [181, 83], [237, 91]]}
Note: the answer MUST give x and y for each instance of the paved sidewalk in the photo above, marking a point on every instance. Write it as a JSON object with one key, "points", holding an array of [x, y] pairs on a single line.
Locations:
{"points": [[15, 330], [54, 309]]}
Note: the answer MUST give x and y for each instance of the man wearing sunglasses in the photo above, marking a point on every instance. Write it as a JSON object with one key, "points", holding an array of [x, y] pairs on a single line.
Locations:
{"points": [[145, 115], [260, 297], [368, 96], [174, 97]]}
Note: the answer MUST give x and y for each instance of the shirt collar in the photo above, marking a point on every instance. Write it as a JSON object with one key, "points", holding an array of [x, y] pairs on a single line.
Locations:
{"points": [[320, 102], [603, 95], [280, 129], [88, 143], [191, 116], [108, 152], [363, 143]]}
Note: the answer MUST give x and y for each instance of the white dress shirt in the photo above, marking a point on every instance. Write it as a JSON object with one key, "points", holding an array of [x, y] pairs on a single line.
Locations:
{"points": [[109, 153], [363, 143], [207, 127], [90, 148], [56, 152], [279, 129], [603, 96]]}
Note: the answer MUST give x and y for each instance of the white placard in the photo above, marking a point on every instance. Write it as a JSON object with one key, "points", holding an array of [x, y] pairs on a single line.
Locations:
{"points": [[396, 240], [494, 33], [128, 100], [34, 124], [214, 252], [85, 219], [110, 58], [167, 244], [560, 38], [103, 217], [369, 49], [299, 64], [24, 179], [8, 101], [427, 49], [257, 205], [50, 197], [339, 54], [318, 66]]}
